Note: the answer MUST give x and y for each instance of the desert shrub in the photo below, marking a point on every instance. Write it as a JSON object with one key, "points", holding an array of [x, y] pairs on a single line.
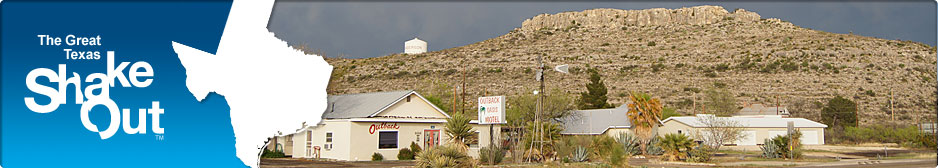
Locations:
{"points": [[631, 145], [272, 154], [909, 136], [415, 148], [377, 157], [676, 146], [405, 154], [701, 153], [569, 144], [491, 155], [651, 43], [601, 146], [616, 158], [450, 155]]}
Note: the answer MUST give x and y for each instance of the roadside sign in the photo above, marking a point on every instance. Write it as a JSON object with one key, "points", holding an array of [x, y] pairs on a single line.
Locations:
{"points": [[492, 110]]}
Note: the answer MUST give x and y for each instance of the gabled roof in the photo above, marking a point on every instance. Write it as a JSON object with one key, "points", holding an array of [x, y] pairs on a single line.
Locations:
{"points": [[596, 121], [364, 105], [753, 121]]}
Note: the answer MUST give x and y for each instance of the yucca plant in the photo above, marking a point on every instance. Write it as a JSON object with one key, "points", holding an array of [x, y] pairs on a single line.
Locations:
{"points": [[579, 154], [450, 155], [630, 144], [492, 154], [676, 146], [457, 127]]}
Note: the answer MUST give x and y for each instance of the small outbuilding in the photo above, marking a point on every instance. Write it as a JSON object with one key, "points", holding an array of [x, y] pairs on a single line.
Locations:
{"points": [[755, 128]]}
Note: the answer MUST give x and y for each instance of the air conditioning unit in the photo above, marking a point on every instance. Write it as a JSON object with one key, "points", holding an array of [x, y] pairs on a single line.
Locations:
{"points": [[328, 146]]}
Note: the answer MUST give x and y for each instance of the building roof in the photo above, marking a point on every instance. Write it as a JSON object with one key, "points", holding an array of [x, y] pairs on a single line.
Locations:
{"points": [[753, 121], [364, 105], [759, 109], [596, 121]]}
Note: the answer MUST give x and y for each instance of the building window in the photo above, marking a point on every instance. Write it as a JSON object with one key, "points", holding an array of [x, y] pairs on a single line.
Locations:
{"points": [[387, 140], [328, 137], [408, 98], [473, 141]]}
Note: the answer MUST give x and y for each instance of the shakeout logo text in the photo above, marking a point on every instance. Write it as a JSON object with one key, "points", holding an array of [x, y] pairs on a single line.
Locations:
{"points": [[140, 75]]}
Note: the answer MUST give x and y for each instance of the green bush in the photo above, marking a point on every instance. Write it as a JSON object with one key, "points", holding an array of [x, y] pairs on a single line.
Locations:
{"points": [[651, 43], [909, 136], [272, 154], [602, 146], [701, 153], [405, 154], [778, 147], [616, 158], [415, 148], [377, 157], [676, 146], [492, 155]]}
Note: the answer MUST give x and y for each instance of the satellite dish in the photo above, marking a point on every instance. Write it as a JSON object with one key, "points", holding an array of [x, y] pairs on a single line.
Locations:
{"points": [[562, 68]]}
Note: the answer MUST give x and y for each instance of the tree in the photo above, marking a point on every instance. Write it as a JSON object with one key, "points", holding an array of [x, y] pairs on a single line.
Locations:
{"points": [[839, 112], [718, 131], [458, 129], [721, 102], [521, 108], [595, 95], [438, 93], [645, 114], [676, 146]]}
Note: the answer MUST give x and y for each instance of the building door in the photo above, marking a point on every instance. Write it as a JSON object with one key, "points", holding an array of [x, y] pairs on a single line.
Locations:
{"points": [[431, 138], [809, 138], [309, 143]]}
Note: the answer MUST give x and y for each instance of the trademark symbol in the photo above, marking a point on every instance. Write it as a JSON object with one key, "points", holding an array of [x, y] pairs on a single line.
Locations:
{"points": [[159, 137]]}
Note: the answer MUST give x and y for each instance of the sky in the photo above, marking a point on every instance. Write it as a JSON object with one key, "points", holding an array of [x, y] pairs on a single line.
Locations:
{"points": [[373, 29]]}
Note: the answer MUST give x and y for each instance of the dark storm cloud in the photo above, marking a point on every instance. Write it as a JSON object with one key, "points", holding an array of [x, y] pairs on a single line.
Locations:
{"points": [[364, 29]]}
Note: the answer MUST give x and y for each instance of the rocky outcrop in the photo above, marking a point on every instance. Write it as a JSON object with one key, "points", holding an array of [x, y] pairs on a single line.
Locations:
{"points": [[616, 18], [687, 50]]}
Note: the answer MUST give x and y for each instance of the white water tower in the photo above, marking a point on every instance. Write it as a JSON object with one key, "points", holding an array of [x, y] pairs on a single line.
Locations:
{"points": [[415, 46]]}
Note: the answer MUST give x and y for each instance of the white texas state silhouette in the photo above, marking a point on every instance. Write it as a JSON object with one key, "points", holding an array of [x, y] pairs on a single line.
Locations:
{"points": [[269, 86]]}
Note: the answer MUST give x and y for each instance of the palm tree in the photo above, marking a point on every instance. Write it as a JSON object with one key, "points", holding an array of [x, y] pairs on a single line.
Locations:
{"points": [[645, 114], [457, 127], [676, 146]]}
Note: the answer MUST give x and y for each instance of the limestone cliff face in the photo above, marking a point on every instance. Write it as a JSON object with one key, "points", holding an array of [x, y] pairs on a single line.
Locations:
{"points": [[614, 18], [673, 54]]}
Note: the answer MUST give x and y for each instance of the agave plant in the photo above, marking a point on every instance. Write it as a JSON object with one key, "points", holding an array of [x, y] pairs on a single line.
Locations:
{"points": [[579, 154], [652, 147], [630, 144], [770, 149]]}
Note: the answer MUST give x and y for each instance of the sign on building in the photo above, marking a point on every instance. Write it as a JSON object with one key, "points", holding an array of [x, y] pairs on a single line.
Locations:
{"points": [[492, 110]]}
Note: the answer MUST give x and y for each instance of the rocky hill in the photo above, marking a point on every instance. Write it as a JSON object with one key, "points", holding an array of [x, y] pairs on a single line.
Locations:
{"points": [[673, 54]]}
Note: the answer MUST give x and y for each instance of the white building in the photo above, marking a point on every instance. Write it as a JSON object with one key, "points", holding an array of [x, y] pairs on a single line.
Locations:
{"points": [[355, 126], [755, 128], [415, 46]]}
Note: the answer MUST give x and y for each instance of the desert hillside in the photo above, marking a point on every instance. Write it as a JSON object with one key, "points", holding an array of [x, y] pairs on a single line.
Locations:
{"points": [[671, 54]]}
